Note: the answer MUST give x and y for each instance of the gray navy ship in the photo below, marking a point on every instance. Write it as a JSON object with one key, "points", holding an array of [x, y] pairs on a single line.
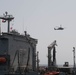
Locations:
{"points": [[17, 52]]}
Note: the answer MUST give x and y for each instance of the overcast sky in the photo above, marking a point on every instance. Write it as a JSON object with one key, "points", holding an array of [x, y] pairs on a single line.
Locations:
{"points": [[38, 18]]}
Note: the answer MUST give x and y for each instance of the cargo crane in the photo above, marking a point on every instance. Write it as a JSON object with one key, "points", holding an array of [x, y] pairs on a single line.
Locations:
{"points": [[52, 63], [52, 68]]}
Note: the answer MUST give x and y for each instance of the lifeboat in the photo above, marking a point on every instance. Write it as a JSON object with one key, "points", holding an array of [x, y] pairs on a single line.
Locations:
{"points": [[52, 73], [2, 59]]}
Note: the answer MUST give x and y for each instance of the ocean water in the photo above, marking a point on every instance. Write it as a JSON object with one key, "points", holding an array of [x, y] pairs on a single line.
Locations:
{"points": [[45, 65]]}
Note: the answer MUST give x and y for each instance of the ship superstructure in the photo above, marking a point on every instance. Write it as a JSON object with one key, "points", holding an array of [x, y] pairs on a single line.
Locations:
{"points": [[17, 52]]}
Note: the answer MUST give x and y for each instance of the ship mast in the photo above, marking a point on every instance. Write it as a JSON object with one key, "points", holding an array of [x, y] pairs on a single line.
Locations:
{"points": [[7, 18], [74, 67]]}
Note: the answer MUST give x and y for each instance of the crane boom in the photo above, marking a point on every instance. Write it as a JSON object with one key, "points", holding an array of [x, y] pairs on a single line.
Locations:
{"points": [[52, 44]]}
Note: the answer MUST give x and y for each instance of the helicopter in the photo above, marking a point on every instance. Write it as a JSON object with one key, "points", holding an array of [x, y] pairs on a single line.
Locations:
{"points": [[59, 28]]}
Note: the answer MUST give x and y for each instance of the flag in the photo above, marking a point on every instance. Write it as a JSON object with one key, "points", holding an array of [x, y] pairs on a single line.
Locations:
{"points": [[11, 28], [3, 20]]}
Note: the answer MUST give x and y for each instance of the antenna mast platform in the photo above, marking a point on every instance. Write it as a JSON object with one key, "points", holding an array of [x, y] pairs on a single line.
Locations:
{"points": [[7, 18]]}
